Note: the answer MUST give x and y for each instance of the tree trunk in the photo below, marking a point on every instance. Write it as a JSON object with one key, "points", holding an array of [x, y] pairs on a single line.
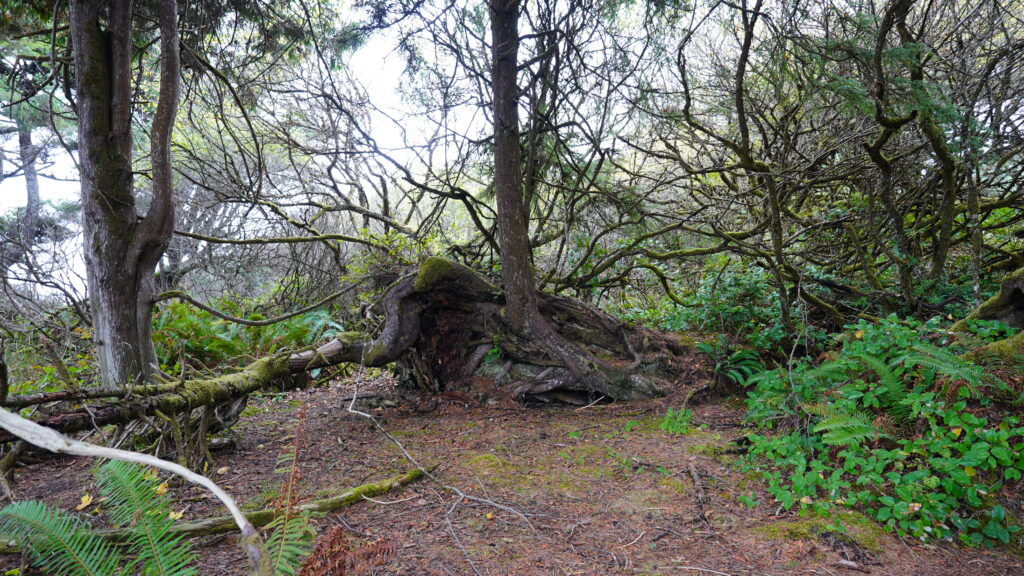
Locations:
{"points": [[121, 251], [20, 240], [521, 311], [1007, 306], [440, 322]]}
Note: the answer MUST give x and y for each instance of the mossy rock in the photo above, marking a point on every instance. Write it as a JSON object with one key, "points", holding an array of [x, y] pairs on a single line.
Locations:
{"points": [[866, 532]]}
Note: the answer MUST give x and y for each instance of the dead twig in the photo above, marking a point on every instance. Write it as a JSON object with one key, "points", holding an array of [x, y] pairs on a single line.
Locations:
{"points": [[701, 496]]}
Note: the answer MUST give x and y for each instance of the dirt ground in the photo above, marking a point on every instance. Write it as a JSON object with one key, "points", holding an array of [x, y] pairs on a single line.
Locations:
{"points": [[575, 491]]}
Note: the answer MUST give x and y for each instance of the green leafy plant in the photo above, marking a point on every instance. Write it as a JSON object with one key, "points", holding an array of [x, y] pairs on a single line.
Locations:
{"points": [[733, 365], [990, 330], [890, 425], [139, 504], [291, 534], [57, 542], [179, 328], [677, 421], [63, 545]]}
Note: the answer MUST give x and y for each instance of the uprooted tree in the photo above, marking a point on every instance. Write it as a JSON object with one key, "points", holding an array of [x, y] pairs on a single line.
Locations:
{"points": [[438, 324]]}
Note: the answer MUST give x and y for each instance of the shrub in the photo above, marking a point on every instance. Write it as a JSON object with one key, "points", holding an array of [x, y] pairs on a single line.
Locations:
{"points": [[890, 425]]}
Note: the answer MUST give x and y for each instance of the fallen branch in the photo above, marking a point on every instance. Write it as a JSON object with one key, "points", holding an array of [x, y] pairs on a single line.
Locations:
{"points": [[173, 400], [701, 496], [51, 440], [225, 524]]}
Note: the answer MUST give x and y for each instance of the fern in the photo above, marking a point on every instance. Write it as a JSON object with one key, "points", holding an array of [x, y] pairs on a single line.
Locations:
{"points": [[841, 427], [947, 363], [58, 543], [136, 502], [291, 536], [828, 372], [891, 389], [289, 542]]}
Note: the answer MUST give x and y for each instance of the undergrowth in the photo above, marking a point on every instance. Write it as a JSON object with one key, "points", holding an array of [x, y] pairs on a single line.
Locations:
{"points": [[894, 424]]}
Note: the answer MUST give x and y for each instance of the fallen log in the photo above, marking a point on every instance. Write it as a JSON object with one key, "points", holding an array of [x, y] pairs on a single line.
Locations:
{"points": [[226, 524], [185, 397]]}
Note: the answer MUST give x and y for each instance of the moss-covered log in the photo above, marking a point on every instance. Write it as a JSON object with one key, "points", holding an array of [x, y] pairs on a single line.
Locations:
{"points": [[226, 524], [1007, 305], [185, 397]]}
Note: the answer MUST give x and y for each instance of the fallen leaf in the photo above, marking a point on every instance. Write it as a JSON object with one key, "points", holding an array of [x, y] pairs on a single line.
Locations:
{"points": [[86, 501]]}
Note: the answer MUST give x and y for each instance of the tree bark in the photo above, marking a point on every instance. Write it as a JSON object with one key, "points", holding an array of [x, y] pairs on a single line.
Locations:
{"points": [[521, 310], [20, 240], [121, 249]]}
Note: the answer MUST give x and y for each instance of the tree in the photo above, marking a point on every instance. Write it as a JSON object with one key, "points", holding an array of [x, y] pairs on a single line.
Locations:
{"points": [[122, 248]]}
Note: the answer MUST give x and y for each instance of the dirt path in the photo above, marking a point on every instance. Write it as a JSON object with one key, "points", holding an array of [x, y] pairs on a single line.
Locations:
{"points": [[599, 490]]}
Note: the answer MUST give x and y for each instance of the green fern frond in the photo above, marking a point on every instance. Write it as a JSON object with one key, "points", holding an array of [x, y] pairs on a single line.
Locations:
{"points": [[289, 541], [58, 543], [845, 428], [892, 389], [826, 372], [135, 501]]}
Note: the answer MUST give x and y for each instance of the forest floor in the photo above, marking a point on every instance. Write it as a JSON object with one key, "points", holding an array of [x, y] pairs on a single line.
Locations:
{"points": [[586, 491]]}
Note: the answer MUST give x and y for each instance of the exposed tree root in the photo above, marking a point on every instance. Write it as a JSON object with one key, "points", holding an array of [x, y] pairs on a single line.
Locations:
{"points": [[441, 322]]}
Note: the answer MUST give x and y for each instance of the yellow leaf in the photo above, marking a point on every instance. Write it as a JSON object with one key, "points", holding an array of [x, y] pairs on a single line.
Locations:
{"points": [[970, 471], [490, 516], [86, 500], [949, 317], [161, 489], [222, 470], [859, 334], [957, 432], [175, 515]]}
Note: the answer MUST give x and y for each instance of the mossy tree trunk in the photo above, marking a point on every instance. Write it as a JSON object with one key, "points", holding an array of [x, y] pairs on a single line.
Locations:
{"points": [[121, 249], [1007, 306]]}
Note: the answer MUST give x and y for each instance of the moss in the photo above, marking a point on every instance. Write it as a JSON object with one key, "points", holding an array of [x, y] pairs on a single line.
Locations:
{"points": [[647, 500], [500, 473], [1008, 350], [866, 532], [431, 271], [994, 306], [674, 484]]}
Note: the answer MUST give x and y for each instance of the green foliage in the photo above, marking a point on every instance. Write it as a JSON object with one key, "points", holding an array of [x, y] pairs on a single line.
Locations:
{"points": [[136, 501], [742, 303], [677, 421], [735, 365], [62, 544], [289, 542], [58, 543], [990, 330], [203, 337], [889, 425]]}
